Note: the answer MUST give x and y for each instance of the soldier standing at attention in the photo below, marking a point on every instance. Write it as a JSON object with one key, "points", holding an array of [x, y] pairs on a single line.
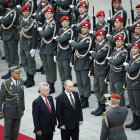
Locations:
{"points": [[63, 55], [137, 19], [100, 70], [117, 72], [28, 45], [47, 48], [12, 100], [10, 35], [113, 121], [81, 63], [133, 85]]}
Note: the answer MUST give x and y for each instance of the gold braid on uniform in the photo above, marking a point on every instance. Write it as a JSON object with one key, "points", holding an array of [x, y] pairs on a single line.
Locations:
{"points": [[12, 21], [106, 120], [65, 48]]}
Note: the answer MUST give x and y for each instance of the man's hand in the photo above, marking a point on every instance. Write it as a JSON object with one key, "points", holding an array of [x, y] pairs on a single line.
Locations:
{"points": [[62, 127], [71, 65], [70, 41], [54, 59], [1, 115], [125, 64], [39, 133], [108, 58], [80, 122], [40, 29], [32, 52]]}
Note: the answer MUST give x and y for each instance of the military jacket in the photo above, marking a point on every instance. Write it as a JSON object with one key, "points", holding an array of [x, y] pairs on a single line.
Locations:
{"points": [[133, 73], [12, 99], [28, 30], [117, 72]]}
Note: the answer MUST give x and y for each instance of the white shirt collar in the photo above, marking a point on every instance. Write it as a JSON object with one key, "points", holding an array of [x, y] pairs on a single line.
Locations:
{"points": [[83, 15], [14, 80], [101, 42], [119, 48], [49, 20]]}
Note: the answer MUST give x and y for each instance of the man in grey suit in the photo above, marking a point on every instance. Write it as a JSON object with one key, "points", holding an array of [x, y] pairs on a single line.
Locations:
{"points": [[112, 123], [12, 100]]}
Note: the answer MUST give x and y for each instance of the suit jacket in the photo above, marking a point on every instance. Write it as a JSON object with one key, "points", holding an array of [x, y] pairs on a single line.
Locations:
{"points": [[116, 116], [43, 119], [12, 99], [66, 115]]}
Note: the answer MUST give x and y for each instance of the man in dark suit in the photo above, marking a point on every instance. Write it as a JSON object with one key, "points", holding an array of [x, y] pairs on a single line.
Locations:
{"points": [[43, 111], [69, 112], [112, 123]]}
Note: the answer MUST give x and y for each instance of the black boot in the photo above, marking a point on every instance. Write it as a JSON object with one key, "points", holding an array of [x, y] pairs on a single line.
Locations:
{"points": [[132, 123], [100, 111], [81, 99], [137, 124], [31, 82], [3, 57], [99, 105], [27, 79], [85, 103], [40, 69], [7, 75], [52, 89]]}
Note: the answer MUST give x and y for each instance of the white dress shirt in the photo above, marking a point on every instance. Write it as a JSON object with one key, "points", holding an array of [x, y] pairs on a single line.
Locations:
{"points": [[44, 99], [68, 95], [15, 81]]}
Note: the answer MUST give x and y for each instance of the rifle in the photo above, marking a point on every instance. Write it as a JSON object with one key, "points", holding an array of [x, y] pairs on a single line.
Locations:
{"points": [[132, 12], [94, 20], [110, 23], [112, 8], [129, 31]]}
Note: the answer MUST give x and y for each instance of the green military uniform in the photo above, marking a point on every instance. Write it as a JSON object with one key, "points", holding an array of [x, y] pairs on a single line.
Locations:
{"points": [[64, 54], [133, 86], [112, 124], [100, 72], [47, 51], [117, 72], [28, 34], [12, 99], [81, 65]]}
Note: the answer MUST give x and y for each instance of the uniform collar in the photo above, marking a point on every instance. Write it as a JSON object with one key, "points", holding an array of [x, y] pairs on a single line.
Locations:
{"points": [[83, 15], [134, 56]]}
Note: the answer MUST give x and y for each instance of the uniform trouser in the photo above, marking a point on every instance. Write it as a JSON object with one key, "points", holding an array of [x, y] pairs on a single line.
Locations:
{"points": [[134, 100], [83, 82], [28, 62], [64, 70], [11, 52], [100, 88], [11, 129], [49, 67], [117, 87]]}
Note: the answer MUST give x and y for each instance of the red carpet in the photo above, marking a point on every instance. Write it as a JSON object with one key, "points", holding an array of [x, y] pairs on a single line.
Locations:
{"points": [[20, 136]]}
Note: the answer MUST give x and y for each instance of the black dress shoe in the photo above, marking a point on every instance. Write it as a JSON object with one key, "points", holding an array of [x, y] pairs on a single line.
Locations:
{"points": [[85, 103], [3, 58], [137, 124]]}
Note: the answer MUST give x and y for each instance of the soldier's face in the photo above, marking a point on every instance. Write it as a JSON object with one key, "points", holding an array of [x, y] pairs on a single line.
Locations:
{"points": [[44, 1], [118, 24], [100, 38], [82, 10], [65, 23], [15, 75], [135, 50], [85, 30], [48, 15], [138, 11], [119, 43], [69, 87], [117, 5], [45, 91], [26, 13], [137, 31], [100, 19]]}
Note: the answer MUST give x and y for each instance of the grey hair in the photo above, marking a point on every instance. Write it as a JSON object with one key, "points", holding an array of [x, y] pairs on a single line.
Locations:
{"points": [[66, 82], [116, 101], [43, 85]]}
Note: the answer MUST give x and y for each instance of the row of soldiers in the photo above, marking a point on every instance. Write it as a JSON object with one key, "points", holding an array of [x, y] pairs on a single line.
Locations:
{"points": [[61, 31]]}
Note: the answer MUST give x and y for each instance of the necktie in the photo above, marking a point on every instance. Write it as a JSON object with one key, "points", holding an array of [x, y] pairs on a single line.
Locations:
{"points": [[48, 105], [72, 101]]}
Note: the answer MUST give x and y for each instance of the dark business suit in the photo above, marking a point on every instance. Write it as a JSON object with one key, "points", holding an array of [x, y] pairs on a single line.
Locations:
{"points": [[68, 116], [43, 119]]}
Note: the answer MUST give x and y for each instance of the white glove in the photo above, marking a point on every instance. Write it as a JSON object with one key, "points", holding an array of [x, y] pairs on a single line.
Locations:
{"points": [[18, 7], [32, 52], [106, 81], [91, 52], [71, 6], [90, 76], [125, 64], [40, 28], [55, 37], [108, 58], [91, 32], [54, 59], [108, 35], [1, 17], [73, 25], [34, 14], [71, 65], [108, 18], [70, 41]]}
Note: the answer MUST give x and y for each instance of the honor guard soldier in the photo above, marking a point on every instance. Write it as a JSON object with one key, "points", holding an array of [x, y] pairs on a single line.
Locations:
{"points": [[133, 85], [118, 30], [81, 63], [28, 45], [100, 70], [118, 10], [10, 35], [63, 55], [101, 25], [137, 19], [12, 100], [113, 121], [47, 48], [117, 72]]}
